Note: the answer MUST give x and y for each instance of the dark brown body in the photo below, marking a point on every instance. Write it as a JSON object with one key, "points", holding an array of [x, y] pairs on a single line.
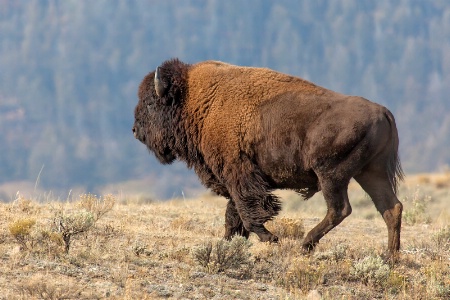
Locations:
{"points": [[248, 131]]}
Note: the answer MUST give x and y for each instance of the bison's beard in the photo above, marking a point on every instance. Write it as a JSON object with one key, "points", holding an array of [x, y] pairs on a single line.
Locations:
{"points": [[165, 157]]}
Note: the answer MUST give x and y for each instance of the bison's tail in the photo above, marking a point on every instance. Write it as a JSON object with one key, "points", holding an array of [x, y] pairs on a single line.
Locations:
{"points": [[394, 168]]}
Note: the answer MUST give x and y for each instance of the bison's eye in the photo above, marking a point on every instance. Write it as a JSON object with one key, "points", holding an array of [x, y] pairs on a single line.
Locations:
{"points": [[138, 134]]}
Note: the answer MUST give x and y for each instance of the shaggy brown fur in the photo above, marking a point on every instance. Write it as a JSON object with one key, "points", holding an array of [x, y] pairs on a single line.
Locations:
{"points": [[248, 131]]}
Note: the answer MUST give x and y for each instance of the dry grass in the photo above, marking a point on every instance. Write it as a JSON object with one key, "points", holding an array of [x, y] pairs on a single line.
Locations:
{"points": [[174, 250]]}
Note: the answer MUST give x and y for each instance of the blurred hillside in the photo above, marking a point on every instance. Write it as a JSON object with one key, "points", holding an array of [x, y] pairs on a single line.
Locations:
{"points": [[69, 72]]}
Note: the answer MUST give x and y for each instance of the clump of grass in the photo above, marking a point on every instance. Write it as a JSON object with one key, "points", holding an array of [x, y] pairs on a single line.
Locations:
{"points": [[39, 287], [21, 231], [223, 255], [442, 238], [98, 206], [23, 205], [49, 242], [183, 223], [140, 249], [416, 208], [371, 270], [437, 283], [286, 228], [396, 282], [443, 181], [337, 253], [304, 275]]}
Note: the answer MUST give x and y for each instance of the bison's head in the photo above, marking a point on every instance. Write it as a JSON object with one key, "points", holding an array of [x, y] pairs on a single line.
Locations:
{"points": [[157, 114]]}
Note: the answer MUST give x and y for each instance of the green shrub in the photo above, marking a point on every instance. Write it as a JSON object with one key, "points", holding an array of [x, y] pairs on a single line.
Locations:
{"points": [[371, 270], [71, 224]]}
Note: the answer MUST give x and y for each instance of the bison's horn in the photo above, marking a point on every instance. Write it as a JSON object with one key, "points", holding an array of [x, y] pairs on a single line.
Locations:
{"points": [[159, 88]]}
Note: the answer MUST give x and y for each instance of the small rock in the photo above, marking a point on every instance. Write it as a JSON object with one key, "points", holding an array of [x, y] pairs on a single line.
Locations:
{"points": [[262, 287], [197, 274], [314, 295]]}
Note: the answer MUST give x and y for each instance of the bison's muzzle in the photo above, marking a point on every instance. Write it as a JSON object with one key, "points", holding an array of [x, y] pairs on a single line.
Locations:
{"points": [[165, 156]]}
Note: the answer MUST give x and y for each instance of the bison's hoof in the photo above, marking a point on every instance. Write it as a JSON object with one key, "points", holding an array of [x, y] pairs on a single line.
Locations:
{"points": [[269, 238], [391, 258], [229, 234], [308, 246], [274, 239]]}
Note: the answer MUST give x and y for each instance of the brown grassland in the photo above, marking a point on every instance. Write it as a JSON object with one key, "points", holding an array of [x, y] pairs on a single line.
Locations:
{"points": [[127, 247]]}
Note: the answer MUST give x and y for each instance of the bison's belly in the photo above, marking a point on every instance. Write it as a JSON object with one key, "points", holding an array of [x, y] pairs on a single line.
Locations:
{"points": [[287, 172]]}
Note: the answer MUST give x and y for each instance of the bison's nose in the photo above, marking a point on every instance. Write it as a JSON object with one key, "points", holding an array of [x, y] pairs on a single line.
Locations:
{"points": [[134, 131]]}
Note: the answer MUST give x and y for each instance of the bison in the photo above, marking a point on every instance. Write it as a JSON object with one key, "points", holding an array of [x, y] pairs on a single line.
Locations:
{"points": [[247, 131]]}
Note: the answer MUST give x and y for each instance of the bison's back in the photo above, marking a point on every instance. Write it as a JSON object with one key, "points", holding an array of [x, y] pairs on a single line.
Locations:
{"points": [[225, 102], [218, 81]]}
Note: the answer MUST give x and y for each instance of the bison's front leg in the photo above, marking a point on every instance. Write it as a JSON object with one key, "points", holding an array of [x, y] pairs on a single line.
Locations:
{"points": [[234, 225], [262, 232], [233, 222], [255, 206]]}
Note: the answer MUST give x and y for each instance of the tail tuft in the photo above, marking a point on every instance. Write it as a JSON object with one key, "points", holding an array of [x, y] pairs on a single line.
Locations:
{"points": [[395, 171]]}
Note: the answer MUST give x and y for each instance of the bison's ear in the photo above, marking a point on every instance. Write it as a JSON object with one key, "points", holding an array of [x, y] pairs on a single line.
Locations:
{"points": [[159, 84], [170, 82], [162, 87]]}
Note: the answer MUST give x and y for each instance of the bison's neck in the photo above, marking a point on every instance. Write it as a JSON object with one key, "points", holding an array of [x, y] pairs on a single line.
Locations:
{"points": [[189, 132]]}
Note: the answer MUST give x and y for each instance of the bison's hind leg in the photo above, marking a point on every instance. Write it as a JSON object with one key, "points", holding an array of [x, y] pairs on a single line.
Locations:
{"points": [[233, 222], [338, 208], [376, 183]]}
